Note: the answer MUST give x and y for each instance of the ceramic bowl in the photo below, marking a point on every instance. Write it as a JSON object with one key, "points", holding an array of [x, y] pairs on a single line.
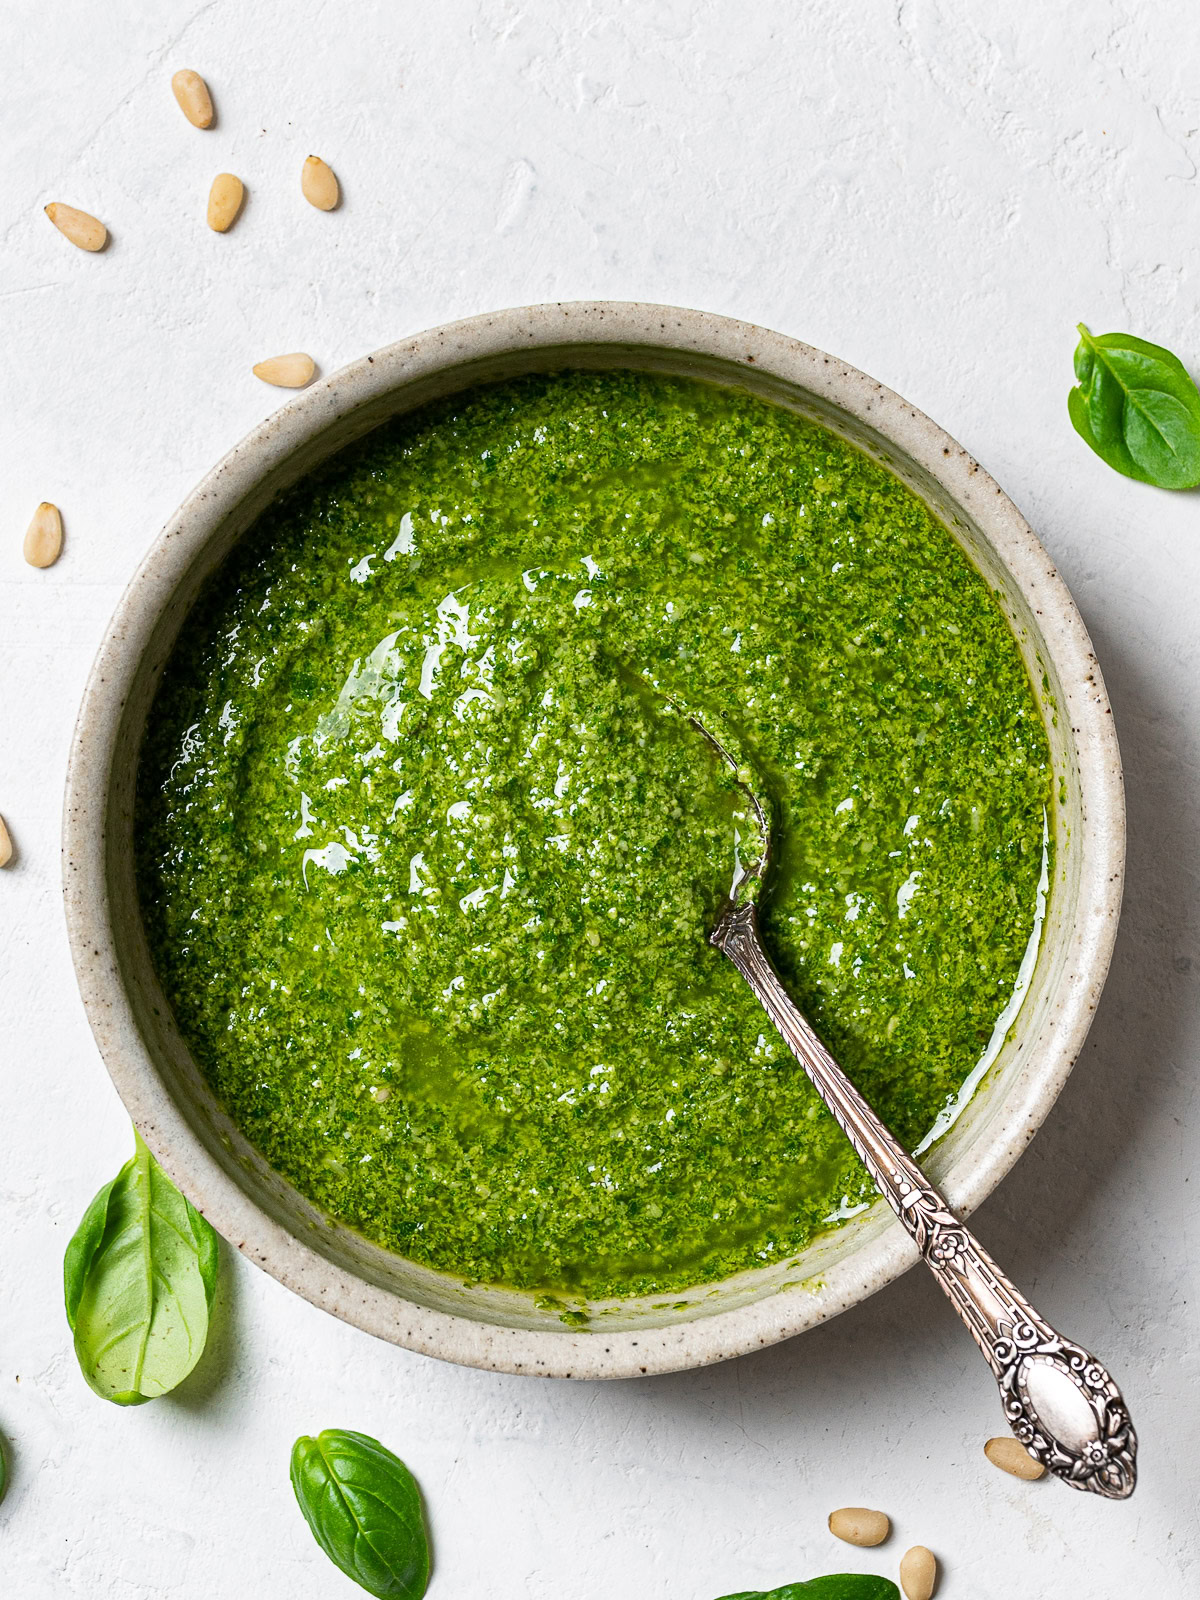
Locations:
{"points": [[260, 1213]]}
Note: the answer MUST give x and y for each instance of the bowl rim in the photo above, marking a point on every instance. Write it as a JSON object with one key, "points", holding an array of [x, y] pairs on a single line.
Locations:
{"points": [[301, 419]]}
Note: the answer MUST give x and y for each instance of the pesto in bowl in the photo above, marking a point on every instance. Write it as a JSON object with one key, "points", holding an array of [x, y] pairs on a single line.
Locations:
{"points": [[427, 874]]}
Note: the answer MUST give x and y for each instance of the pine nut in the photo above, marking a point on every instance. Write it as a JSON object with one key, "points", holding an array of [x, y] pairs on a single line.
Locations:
{"points": [[5, 845], [82, 229], [318, 184], [380, 1093], [857, 1525], [918, 1573], [191, 91], [44, 536], [224, 201], [287, 372], [1010, 1455]]}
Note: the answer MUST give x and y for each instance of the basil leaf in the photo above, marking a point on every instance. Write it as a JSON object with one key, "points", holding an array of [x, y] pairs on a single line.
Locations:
{"points": [[364, 1508], [1138, 409], [837, 1586], [139, 1278]]}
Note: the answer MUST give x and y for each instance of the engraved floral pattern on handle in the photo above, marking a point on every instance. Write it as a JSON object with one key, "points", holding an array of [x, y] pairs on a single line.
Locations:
{"points": [[1059, 1400]]}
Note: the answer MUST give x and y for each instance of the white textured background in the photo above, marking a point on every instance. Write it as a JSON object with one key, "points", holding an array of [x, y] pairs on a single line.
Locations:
{"points": [[936, 192]]}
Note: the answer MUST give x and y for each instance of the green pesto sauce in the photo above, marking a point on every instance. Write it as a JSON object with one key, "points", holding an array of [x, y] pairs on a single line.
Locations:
{"points": [[428, 860]]}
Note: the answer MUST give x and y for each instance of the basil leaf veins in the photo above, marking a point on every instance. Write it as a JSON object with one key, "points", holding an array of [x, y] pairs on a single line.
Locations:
{"points": [[1138, 409], [139, 1278], [364, 1508], [837, 1586]]}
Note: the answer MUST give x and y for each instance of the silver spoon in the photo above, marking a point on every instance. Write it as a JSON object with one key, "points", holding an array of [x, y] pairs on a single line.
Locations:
{"points": [[1058, 1399]]}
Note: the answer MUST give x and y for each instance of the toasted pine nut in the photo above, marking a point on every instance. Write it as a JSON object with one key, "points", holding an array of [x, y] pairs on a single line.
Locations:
{"points": [[318, 184], [224, 201], [1010, 1455], [44, 536], [191, 91], [287, 372], [918, 1573], [5, 845], [857, 1525], [80, 227]]}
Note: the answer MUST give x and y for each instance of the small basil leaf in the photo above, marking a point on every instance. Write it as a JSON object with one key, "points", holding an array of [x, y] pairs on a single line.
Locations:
{"points": [[1138, 409], [139, 1277], [364, 1508], [837, 1586]]}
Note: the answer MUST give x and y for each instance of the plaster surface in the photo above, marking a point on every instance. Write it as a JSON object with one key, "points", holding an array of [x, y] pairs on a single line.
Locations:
{"points": [[936, 192]]}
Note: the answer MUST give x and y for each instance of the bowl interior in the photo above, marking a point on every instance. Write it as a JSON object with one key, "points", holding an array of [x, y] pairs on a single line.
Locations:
{"points": [[265, 1215]]}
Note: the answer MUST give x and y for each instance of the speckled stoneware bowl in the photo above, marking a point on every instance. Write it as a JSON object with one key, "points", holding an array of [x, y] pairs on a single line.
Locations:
{"points": [[170, 1101]]}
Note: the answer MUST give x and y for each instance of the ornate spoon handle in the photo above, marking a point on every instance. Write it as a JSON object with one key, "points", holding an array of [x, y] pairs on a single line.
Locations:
{"points": [[1060, 1402]]}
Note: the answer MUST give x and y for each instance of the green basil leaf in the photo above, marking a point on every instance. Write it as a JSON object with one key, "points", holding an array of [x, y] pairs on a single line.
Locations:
{"points": [[139, 1278], [364, 1508], [837, 1586], [1138, 409]]}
